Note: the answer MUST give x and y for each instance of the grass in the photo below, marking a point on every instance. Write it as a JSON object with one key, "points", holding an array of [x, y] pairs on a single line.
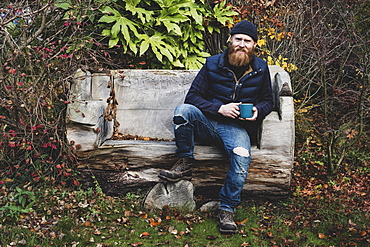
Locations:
{"points": [[89, 218], [319, 212]]}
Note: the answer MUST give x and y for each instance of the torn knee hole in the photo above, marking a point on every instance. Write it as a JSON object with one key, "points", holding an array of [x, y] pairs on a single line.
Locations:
{"points": [[241, 151], [178, 120]]}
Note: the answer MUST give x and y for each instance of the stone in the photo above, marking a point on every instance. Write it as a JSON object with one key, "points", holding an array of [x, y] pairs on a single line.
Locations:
{"points": [[210, 206], [177, 195]]}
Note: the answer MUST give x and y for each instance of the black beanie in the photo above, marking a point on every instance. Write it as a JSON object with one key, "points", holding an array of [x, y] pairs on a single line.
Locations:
{"points": [[245, 27]]}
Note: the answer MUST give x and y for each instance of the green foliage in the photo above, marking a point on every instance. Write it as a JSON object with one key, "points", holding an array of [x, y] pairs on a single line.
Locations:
{"points": [[169, 31], [19, 202]]}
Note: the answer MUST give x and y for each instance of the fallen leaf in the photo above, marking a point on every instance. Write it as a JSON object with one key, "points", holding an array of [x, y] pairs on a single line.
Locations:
{"points": [[242, 222], [211, 237], [143, 215], [321, 236], [171, 228], [144, 235], [154, 222], [22, 242], [136, 244]]}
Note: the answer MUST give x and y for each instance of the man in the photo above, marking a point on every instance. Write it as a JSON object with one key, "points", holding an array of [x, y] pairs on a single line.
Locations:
{"points": [[211, 114]]}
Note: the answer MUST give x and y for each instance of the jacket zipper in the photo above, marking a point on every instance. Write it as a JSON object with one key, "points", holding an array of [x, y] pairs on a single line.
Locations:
{"points": [[236, 83]]}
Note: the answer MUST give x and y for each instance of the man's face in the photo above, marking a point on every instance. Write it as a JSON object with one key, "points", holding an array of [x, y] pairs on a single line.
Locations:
{"points": [[241, 50]]}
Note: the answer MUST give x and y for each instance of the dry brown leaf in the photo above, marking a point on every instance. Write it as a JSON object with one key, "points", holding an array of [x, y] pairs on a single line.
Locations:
{"points": [[136, 244], [242, 222], [321, 235], [144, 235], [155, 222]]}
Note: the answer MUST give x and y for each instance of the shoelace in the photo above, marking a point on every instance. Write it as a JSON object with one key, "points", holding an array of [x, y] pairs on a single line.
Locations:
{"points": [[228, 216]]}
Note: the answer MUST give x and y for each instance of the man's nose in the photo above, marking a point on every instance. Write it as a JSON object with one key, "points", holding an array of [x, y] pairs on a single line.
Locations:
{"points": [[242, 43]]}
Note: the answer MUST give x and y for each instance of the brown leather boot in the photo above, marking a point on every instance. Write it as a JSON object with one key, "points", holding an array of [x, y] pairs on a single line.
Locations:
{"points": [[226, 222], [182, 170]]}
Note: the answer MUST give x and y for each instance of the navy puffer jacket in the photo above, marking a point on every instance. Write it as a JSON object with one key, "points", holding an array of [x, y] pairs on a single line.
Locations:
{"points": [[216, 85]]}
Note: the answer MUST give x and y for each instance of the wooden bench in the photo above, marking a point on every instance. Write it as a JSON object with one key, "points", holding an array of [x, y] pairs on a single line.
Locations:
{"points": [[146, 100]]}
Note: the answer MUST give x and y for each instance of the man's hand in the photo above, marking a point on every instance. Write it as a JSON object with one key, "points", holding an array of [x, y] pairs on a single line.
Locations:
{"points": [[254, 117], [230, 110]]}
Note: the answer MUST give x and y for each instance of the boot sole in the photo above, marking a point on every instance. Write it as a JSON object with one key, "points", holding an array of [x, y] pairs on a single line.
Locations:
{"points": [[228, 231]]}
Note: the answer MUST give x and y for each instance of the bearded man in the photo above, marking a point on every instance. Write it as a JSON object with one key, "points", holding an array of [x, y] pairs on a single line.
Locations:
{"points": [[210, 114]]}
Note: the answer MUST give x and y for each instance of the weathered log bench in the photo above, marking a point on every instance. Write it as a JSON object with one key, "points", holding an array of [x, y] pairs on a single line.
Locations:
{"points": [[146, 100]]}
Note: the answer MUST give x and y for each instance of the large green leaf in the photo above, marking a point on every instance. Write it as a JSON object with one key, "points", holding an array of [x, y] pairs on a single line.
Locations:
{"points": [[197, 17], [113, 42], [108, 19], [110, 10], [143, 14], [158, 46], [63, 4], [173, 27], [180, 21], [195, 61], [222, 13], [122, 26]]}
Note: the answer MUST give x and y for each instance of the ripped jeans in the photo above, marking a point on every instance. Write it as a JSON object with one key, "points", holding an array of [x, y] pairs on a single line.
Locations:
{"points": [[191, 124]]}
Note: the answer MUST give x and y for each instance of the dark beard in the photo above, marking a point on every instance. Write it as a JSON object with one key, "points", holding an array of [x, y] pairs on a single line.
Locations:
{"points": [[240, 59]]}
